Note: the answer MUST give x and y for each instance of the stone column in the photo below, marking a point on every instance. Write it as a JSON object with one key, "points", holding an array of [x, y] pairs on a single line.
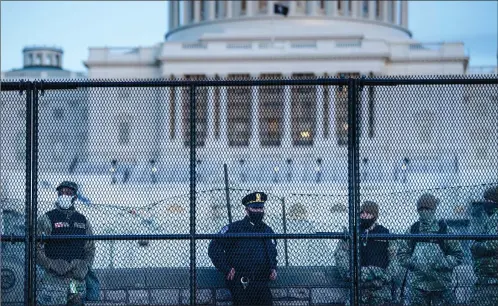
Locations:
{"points": [[332, 90], [173, 15], [395, 11], [331, 8], [318, 137], [254, 142], [385, 10], [197, 11], [355, 9], [404, 14], [229, 5], [251, 7], [270, 4], [371, 10], [186, 9], [211, 9], [312, 7], [287, 131], [178, 116], [223, 141], [166, 110], [210, 114]]}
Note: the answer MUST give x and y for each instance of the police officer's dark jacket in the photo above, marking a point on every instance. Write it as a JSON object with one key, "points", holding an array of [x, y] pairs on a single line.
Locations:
{"points": [[374, 252], [253, 258], [68, 222]]}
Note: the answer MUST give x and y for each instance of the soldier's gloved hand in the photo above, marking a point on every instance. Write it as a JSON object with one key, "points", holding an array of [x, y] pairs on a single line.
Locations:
{"points": [[478, 249], [59, 266], [79, 269], [446, 264]]}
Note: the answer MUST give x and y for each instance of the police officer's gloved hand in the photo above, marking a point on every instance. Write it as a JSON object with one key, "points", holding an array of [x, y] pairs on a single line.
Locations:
{"points": [[60, 266], [79, 269]]}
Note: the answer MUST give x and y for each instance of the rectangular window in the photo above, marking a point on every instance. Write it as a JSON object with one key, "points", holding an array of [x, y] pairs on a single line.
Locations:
{"points": [[303, 112], [243, 7], [326, 110], [239, 112], [322, 4], [201, 100], [377, 9], [271, 109], [203, 10], [124, 132], [425, 122], [341, 110], [191, 11]]}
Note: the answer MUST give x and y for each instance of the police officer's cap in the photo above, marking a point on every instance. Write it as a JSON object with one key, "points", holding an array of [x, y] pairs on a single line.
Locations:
{"points": [[255, 200], [68, 184]]}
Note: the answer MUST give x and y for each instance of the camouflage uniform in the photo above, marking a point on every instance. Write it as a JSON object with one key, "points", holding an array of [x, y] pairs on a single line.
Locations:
{"points": [[485, 254], [55, 289], [431, 268], [376, 270]]}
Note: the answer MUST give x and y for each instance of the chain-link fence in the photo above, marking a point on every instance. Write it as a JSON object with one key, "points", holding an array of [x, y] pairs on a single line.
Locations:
{"points": [[375, 191]]}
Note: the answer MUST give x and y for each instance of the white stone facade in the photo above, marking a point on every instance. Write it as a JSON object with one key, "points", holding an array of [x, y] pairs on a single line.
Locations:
{"points": [[240, 39]]}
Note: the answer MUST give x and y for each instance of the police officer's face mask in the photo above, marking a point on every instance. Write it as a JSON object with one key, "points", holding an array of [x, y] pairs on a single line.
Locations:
{"points": [[65, 201], [256, 216], [366, 223]]}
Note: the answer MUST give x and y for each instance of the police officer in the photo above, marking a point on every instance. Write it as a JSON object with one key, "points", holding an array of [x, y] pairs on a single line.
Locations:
{"points": [[485, 254], [65, 263], [247, 264], [430, 262], [375, 255]]}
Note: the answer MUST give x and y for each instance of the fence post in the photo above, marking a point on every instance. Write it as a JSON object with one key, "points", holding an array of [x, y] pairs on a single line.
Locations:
{"points": [[353, 190], [192, 119], [284, 221], [227, 193], [31, 193]]}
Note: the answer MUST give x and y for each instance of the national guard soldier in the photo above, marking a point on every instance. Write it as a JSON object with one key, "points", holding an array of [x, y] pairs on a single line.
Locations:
{"points": [[375, 256], [485, 254], [430, 262], [65, 263], [247, 264]]}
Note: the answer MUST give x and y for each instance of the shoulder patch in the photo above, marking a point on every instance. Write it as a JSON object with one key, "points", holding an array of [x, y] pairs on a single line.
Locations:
{"points": [[224, 229]]}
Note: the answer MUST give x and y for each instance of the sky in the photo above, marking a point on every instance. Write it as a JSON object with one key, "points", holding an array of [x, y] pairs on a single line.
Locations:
{"points": [[77, 25]]}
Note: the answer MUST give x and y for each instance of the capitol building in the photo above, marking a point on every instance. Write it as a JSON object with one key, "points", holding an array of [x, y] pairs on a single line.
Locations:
{"points": [[280, 133]]}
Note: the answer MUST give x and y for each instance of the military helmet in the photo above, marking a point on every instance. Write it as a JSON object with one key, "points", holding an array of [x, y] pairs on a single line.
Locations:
{"points": [[68, 184], [491, 194]]}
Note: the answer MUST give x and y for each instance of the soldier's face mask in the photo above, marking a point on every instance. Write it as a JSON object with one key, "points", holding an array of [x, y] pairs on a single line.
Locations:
{"points": [[426, 214], [65, 201], [490, 207]]}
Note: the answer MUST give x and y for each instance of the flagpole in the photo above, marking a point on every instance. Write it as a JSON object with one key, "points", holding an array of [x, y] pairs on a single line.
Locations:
{"points": [[273, 28]]}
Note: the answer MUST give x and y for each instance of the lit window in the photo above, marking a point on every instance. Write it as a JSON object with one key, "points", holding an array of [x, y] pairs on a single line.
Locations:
{"points": [[303, 112], [271, 109]]}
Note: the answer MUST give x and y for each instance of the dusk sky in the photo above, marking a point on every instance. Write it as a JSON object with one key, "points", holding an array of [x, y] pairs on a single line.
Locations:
{"points": [[76, 26]]}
